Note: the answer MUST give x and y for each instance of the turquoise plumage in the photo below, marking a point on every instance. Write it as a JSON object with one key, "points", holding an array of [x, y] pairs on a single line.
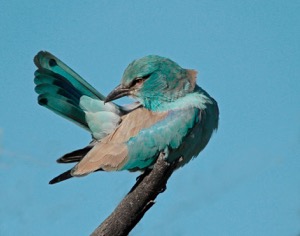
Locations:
{"points": [[173, 114]]}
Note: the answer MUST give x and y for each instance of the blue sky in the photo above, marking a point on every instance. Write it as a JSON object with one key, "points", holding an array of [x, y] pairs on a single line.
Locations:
{"points": [[247, 180]]}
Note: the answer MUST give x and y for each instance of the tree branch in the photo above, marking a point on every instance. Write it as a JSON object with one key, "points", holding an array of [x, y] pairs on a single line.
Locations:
{"points": [[138, 201]]}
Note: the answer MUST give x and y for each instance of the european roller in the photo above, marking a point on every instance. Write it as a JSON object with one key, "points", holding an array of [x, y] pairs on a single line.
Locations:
{"points": [[172, 114]]}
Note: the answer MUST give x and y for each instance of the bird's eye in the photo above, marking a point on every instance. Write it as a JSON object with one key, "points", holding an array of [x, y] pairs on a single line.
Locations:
{"points": [[139, 80]]}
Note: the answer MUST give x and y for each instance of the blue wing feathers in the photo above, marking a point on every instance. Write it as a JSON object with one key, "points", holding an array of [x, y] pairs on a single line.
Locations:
{"points": [[64, 92], [48, 61], [60, 88], [59, 95], [53, 89], [64, 108], [167, 133]]}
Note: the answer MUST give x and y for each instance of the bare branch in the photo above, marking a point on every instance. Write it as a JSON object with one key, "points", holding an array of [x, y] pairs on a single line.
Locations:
{"points": [[138, 201]]}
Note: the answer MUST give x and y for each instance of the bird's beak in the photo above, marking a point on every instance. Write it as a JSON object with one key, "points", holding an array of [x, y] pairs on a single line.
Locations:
{"points": [[118, 92]]}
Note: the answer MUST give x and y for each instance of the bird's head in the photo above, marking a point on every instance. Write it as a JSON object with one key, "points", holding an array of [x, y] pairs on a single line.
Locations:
{"points": [[154, 80]]}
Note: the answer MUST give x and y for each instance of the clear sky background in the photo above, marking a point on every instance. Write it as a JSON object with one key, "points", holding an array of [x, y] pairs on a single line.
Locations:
{"points": [[247, 180]]}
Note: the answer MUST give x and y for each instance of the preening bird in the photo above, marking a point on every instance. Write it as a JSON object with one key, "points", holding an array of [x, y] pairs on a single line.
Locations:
{"points": [[172, 114]]}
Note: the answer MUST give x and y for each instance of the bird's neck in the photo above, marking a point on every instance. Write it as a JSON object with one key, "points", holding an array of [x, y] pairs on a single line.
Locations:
{"points": [[198, 99]]}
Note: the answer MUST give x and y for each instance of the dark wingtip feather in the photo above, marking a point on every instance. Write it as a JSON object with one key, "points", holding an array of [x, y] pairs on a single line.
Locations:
{"points": [[37, 58], [64, 176], [42, 55], [42, 101], [52, 62], [74, 156]]}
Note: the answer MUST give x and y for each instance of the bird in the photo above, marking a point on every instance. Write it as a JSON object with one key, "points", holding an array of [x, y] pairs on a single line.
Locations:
{"points": [[171, 114]]}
